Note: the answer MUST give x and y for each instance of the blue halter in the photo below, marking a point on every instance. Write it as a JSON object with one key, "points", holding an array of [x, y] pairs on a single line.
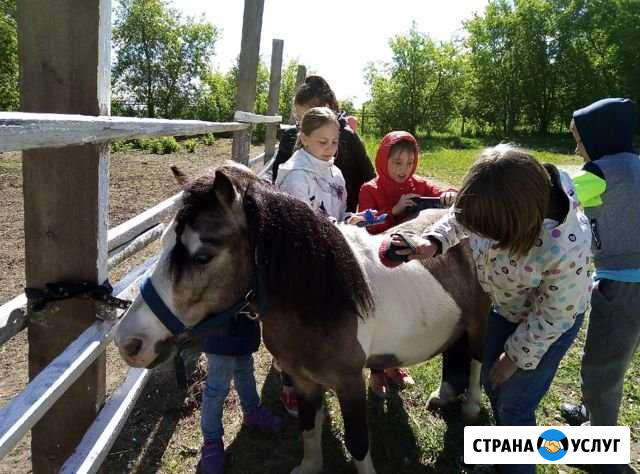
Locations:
{"points": [[212, 323]]}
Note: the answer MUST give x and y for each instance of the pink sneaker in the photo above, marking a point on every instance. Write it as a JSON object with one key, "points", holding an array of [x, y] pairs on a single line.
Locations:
{"points": [[378, 384], [399, 377], [289, 399]]}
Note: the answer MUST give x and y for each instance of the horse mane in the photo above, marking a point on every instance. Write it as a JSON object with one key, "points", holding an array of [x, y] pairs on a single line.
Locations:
{"points": [[308, 268]]}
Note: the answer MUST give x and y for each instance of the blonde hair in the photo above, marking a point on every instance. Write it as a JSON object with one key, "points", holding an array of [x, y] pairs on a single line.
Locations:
{"points": [[505, 196], [315, 118]]}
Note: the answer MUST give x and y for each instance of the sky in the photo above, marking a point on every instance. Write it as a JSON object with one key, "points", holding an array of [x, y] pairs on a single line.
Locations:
{"points": [[333, 38]]}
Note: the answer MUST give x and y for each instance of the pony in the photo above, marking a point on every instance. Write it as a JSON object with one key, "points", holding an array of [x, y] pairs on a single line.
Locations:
{"points": [[238, 247]]}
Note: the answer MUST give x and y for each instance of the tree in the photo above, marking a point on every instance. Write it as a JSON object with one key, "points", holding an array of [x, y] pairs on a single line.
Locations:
{"points": [[161, 58], [288, 89], [9, 88], [417, 88]]}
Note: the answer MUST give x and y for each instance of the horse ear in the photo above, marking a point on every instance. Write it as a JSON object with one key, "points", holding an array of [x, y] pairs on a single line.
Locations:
{"points": [[180, 177], [223, 188]]}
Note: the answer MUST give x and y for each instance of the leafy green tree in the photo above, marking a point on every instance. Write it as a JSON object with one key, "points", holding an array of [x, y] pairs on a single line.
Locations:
{"points": [[417, 89], [161, 57], [9, 89]]}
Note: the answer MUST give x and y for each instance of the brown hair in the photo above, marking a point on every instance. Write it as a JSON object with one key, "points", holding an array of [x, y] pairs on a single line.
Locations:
{"points": [[403, 145], [316, 92], [315, 118], [505, 197]]}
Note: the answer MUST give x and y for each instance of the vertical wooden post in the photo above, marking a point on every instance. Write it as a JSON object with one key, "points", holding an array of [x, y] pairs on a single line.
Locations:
{"points": [[301, 75], [362, 121], [274, 98], [64, 54], [247, 74]]}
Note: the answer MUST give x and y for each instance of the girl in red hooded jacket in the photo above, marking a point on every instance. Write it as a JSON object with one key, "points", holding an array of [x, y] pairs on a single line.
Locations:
{"points": [[391, 192]]}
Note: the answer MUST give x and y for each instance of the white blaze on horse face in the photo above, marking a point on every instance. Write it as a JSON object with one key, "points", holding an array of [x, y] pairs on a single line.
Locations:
{"points": [[139, 323]]}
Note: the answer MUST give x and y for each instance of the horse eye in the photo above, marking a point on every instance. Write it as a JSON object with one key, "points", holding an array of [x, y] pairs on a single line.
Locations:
{"points": [[201, 259]]}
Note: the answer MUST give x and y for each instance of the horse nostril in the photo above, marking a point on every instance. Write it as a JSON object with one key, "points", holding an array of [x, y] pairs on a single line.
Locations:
{"points": [[132, 347]]}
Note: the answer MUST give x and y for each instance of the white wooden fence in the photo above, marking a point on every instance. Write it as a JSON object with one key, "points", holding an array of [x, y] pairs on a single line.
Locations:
{"points": [[22, 131]]}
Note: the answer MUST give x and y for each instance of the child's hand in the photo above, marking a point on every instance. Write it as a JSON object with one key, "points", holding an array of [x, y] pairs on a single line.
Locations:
{"points": [[402, 204], [425, 249], [502, 370], [447, 198]]}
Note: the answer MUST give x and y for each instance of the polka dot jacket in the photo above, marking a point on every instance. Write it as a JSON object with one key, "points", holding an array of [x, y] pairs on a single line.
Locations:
{"points": [[545, 290]]}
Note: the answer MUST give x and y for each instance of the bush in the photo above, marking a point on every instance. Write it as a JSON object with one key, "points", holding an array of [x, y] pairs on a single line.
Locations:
{"points": [[208, 139], [164, 146], [191, 145], [120, 145]]}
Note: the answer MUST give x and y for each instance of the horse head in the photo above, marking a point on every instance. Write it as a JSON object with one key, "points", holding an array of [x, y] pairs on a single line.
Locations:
{"points": [[204, 269]]}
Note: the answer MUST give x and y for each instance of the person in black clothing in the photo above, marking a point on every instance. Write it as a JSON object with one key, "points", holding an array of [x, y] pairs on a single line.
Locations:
{"points": [[351, 158]]}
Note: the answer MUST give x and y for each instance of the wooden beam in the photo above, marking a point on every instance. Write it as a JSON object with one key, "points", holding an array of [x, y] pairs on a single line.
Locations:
{"points": [[301, 75], [135, 226], [248, 117], [13, 317], [273, 101], [51, 384], [95, 445], [64, 53], [123, 252], [247, 73], [30, 131]]}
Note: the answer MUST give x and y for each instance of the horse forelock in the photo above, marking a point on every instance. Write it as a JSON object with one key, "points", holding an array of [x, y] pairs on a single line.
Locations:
{"points": [[309, 268], [199, 196]]}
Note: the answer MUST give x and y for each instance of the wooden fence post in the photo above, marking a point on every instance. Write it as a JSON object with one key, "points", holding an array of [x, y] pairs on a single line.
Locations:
{"points": [[247, 74], [65, 65], [274, 98], [301, 75]]}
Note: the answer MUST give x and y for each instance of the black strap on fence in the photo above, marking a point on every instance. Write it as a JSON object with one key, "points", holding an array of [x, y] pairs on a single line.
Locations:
{"points": [[39, 298]]}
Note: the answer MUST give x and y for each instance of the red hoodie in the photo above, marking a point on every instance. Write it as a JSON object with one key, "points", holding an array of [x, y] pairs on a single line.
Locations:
{"points": [[382, 192]]}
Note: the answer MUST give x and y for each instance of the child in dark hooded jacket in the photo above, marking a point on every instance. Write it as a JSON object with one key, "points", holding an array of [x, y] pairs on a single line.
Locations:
{"points": [[609, 190]]}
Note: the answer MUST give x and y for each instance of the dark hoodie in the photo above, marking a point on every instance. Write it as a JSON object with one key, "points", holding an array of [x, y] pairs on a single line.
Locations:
{"points": [[609, 185], [382, 192], [351, 158]]}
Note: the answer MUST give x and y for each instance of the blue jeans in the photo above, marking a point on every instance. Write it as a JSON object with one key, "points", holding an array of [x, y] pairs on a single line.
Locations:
{"points": [[514, 402], [221, 370]]}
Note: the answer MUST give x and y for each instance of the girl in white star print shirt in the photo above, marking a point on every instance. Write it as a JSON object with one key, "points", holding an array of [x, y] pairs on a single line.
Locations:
{"points": [[531, 246]]}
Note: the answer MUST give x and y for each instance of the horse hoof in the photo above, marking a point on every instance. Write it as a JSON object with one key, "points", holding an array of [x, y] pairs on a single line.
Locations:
{"points": [[470, 411]]}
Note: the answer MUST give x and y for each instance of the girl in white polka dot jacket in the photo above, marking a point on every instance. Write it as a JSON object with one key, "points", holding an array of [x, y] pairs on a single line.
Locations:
{"points": [[531, 246]]}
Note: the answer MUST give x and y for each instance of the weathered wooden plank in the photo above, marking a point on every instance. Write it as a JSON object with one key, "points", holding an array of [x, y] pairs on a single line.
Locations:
{"points": [[248, 117], [29, 131], [301, 75], [247, 74], [13, 317], [99, 439], [132, 228], [25, 409], [123, 252], [273, 101]]}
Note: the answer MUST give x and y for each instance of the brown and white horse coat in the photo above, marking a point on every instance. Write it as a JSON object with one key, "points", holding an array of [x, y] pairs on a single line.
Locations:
{"points": [[331, 308]]}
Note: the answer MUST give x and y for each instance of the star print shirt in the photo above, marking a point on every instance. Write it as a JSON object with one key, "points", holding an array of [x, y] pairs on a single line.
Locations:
{"points": [[545, 290]]}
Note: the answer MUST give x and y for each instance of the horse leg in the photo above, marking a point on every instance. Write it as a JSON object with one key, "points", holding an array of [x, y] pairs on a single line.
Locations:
{"points": [[310, 419], [471, 406], [353, 404], [455, 375]]}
